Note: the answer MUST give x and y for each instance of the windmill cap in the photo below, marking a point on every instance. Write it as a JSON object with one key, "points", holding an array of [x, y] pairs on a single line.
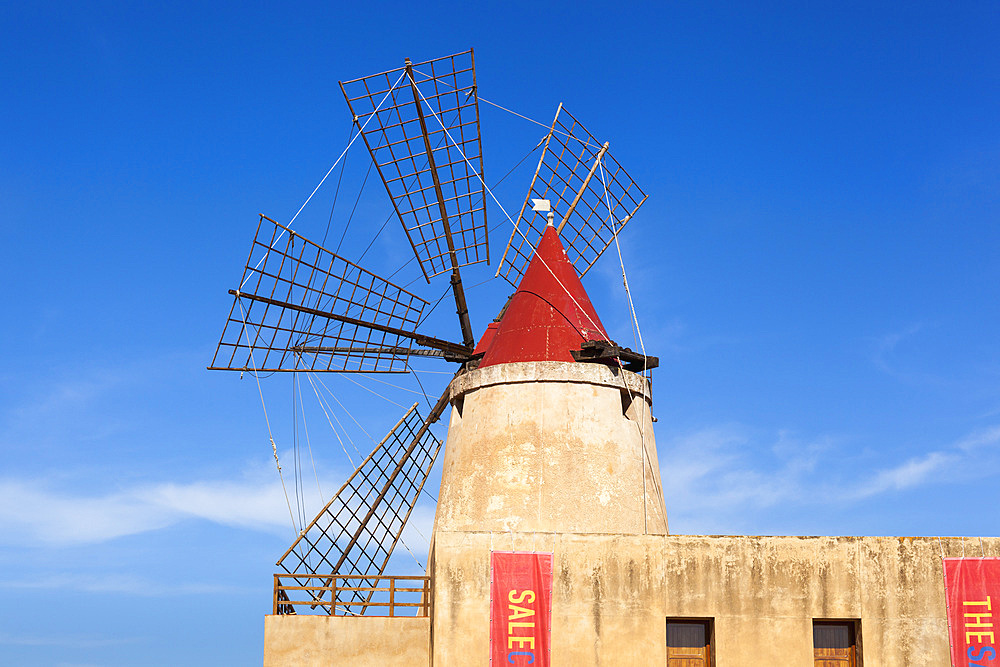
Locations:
{"points": [[549, 314]]}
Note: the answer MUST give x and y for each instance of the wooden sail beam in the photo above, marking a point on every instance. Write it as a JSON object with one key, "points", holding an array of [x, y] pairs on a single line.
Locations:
{"points": [[347, 349], [434, 415], [456, 277], [541, 159], [583, 188], [427, 341]]}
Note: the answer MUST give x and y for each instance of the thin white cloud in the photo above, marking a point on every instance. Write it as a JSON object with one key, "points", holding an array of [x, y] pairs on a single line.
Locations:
{"points": [[911, 473], [34, 513], [71, 641], [119, 583], [889, 358], [987, 437], [885, 348], [709, 477]]}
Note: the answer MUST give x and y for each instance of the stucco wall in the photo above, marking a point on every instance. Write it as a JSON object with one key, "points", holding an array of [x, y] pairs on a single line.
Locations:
{"points": [[613, 593], [547, 446], [308, 641]]}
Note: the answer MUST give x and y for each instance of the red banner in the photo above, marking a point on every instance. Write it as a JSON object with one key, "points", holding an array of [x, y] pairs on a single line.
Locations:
{"points": [[520, 608], [972, 587]]}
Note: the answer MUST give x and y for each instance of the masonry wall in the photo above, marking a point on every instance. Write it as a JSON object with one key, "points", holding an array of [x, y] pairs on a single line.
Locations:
{"points": [[551, 446], [612, 595], [314, 641]]}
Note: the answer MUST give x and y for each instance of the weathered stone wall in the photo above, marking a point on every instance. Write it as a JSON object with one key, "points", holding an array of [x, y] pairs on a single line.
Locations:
{"points": [[551, 446], [612, 595], [308, 641]]}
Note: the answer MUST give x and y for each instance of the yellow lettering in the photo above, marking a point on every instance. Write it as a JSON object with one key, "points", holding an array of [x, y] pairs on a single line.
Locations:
{"points": [[980, 635], [519, 612], [980, 623], [984, 603], [530, 641], [514, 597]]}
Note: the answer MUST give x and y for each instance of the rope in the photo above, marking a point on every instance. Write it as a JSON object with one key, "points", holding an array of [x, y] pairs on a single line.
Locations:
{"points": [[396, 386], [621, 262], [330, 171], [421, 385], [373, 114], [636, 333], [374, 392], [534, 250], [364, 182], [328, 413], [296, 461], [503, 108], [417, 560], [423, 319], [519, 162], [334, 396], [305, 428], [274, 448], [336, 194]]}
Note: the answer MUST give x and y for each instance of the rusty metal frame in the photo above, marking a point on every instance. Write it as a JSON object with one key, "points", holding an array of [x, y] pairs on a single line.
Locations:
{"points": [[566, 177]]}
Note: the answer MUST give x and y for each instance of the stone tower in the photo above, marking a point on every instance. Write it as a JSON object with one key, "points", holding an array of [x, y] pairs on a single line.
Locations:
{"points": [[538, 442], [540, 448]]}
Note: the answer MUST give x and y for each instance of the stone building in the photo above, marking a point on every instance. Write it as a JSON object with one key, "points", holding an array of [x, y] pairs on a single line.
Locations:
{"points": [[548, 455]]}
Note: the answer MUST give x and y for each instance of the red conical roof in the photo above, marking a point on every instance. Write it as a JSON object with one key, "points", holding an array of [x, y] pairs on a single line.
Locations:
{"points": [[549, 314]]}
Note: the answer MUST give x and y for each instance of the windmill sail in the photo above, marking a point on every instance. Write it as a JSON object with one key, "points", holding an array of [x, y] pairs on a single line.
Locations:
{"points": [[301, 307], [591, 195], [421, 126], [358, 529]]}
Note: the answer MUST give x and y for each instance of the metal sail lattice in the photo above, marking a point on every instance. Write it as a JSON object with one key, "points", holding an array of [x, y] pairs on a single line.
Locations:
{"points": [[436, 193], [302, 307], [356, 532], [572, 172]]}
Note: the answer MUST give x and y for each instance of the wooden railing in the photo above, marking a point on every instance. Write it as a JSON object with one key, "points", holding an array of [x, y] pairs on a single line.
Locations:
{"points": [[351, 595]]}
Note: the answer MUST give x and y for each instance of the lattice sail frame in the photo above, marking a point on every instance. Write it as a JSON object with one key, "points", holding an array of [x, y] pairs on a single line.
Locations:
{"points": [[386, 106], [568, 159], [349, 535], [299, 281]]}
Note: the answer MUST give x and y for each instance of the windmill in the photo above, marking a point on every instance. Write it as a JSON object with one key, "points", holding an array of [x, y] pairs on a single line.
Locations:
{"points": [[301, 308]]}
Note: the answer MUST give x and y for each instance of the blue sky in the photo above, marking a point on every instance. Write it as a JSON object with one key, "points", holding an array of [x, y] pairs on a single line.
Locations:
{"points": [[817, 267]]}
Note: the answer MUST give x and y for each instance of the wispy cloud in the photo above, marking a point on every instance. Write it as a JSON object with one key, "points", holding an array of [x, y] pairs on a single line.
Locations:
{"points": [[948, 463], [710, 470], [67, 640], [119, 583], [886, 345], [911, 473], [35, 513], [987, 437], [891, 351], [722, 471]]}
